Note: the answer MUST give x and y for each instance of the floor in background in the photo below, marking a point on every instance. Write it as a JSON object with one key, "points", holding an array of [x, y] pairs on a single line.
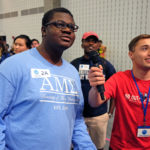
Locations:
{"points": [[109, 128]]}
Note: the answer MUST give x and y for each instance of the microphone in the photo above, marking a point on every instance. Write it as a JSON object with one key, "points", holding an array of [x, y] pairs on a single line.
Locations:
{"points": [[96, 60]]}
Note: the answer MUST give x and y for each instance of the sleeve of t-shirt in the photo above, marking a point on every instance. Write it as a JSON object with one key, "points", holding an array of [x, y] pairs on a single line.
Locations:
{"points": [[81, 139], [6, 92], [111, 87]]}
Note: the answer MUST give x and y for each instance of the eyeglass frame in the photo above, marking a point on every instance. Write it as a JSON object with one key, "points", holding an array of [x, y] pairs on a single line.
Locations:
{"points": [[66, 25]]}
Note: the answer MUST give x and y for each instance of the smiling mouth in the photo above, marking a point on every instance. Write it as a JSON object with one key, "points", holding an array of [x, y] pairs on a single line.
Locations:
{"points": [[148, 60], [91, 49]]}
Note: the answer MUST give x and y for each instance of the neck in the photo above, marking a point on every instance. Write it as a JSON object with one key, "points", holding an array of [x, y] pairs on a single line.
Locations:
{"points": [[141, 74], [86, 56], [52, 56]]}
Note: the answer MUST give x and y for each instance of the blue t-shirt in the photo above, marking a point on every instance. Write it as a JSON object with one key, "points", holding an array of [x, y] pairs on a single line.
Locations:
{"points": [[40, 105]]}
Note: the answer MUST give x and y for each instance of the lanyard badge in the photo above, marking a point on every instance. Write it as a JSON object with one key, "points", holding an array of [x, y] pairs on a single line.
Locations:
{"points": [[143, 131]]}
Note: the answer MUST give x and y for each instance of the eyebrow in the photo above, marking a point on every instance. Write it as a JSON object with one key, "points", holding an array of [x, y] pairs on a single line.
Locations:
{"points": [[145, 45]]}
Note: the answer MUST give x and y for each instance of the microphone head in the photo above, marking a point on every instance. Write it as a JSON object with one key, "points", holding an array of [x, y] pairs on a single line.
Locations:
{"points": [[94, 56]]}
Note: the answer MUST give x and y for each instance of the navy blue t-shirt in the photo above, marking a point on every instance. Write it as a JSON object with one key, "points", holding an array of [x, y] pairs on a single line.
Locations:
{"points": [[82, 65]]}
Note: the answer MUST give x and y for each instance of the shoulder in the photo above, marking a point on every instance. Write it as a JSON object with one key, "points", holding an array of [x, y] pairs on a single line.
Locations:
{"points": [[119, 79], [124, 73], [70, 70], [109, 69], [18, 57], [69, 66], [107, 63], [121, 75], [77, 60], [15, 63]]}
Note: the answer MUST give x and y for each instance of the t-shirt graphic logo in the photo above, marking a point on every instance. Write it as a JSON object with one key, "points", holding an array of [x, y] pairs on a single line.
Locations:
{"points": [[59, 89], [40, 73], [83, 71]]}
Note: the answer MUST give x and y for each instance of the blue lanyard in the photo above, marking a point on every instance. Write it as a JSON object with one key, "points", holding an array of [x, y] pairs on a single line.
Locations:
{"points": [[142, 99]]}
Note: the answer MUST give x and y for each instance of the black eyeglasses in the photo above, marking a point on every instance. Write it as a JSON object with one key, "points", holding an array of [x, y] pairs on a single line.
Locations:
{"points": [[63, 25]]}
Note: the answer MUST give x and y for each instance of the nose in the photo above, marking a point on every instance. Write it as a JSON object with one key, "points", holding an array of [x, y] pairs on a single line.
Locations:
{"points": [[67, 30], [16, 46], [149, 52]]}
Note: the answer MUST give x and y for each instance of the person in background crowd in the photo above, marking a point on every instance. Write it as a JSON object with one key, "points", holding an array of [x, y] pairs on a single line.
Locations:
{"points": [[96, 119], [2, 45], [43, 108], [4, 52], [1, 50], [102, 49], [34, 43], [21, 43], [11, 52], [7, 47], [131, 91]]}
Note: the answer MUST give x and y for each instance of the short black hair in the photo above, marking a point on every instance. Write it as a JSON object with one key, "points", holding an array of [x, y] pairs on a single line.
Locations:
{"points": [[34, 40], [27, 39], [134, 41], [49, 14]]}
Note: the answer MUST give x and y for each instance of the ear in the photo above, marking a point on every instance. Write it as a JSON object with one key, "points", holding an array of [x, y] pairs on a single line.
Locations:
{"points": [[82, 45], [43, 30], [130, 54]]}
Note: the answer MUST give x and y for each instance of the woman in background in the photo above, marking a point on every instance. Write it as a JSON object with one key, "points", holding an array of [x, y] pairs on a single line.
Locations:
{"points": [[21, 43]]}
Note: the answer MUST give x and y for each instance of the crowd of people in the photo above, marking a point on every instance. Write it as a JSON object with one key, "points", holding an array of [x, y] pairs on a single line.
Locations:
{"points": [[20, 43], [49, 103]]}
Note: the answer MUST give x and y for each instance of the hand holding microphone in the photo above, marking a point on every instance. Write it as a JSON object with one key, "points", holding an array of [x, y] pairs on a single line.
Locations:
{"points": [[96, 77]]}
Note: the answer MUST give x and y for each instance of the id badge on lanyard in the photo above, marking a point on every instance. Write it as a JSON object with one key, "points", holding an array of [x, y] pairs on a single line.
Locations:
{"points": [[143, 131]]}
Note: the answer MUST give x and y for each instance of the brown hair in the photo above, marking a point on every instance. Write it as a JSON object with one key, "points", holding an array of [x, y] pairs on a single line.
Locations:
{"points": [[134, 41]]}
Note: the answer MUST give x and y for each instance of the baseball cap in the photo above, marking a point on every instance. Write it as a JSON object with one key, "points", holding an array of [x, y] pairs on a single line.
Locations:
{"points": [[90, 33]]}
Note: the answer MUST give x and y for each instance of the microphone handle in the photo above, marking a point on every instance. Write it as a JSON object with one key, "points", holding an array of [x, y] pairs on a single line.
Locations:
{"points": [[100, 88]]}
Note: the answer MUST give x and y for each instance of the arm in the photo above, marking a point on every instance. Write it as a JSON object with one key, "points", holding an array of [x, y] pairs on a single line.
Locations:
{"points": [[81, 139], [96, 77], [111, 107], [6, 91]]}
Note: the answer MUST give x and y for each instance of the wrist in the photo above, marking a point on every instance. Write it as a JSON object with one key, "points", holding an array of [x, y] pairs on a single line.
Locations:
{"points": [[110, 115]]}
